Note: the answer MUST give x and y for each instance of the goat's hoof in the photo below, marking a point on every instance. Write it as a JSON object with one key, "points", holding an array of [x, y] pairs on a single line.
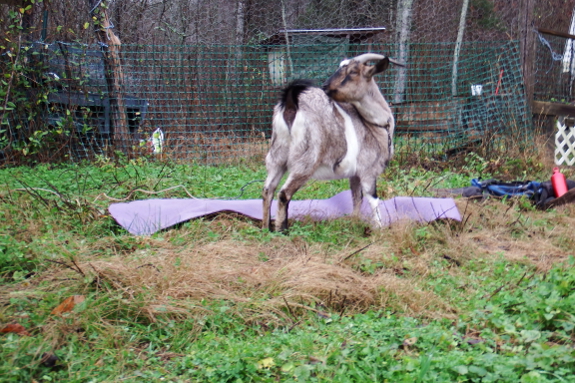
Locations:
{"points": [[283, 229]]}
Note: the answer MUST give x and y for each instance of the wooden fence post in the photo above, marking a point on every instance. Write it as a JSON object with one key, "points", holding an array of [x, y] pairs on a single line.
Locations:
{"points": [[113, 72], [527, 46]]}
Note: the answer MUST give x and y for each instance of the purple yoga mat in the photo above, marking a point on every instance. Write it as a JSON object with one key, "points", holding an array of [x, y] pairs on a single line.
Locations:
{"points": [[145, 217]]}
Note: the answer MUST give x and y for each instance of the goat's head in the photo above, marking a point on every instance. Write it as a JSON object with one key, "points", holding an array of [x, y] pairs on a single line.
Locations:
{"points": [[352, 81]]}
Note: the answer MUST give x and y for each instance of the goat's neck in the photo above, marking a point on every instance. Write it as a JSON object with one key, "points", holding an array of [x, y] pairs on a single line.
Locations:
{"points": [[373, 108]]}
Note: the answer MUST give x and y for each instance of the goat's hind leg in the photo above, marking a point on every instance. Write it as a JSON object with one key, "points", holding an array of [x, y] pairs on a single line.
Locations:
{"points": [[274, 177], [292, 185]]}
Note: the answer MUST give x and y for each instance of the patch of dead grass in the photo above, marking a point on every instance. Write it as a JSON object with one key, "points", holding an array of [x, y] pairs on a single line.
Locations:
{"points": [[232, 271], [495, 228], [279, 280], [215, 149]]}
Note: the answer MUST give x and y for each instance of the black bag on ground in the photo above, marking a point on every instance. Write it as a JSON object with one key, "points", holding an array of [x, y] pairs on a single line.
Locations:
{"points": [[541, 193]]}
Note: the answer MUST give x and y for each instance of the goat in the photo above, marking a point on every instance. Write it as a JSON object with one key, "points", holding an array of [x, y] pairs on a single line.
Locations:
{"points": [[343, 131]]}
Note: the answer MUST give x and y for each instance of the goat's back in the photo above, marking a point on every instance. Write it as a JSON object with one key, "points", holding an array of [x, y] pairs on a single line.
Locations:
{"points": [[307, 126], [313, 133]]}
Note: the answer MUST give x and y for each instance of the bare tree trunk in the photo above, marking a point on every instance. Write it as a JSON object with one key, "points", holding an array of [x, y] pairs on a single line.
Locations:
{"points": [[568, 59], [460, 33], [288, 49], [240, 22], [239, 40], [113, 71], [232, 86], [403, 26], [527, 45]]}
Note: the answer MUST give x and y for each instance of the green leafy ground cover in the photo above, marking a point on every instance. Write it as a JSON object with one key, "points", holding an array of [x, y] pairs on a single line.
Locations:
{"points": [[489, 299]]}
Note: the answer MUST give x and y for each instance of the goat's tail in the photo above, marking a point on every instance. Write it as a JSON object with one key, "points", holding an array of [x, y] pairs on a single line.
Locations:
{"points": [[290, 94]]}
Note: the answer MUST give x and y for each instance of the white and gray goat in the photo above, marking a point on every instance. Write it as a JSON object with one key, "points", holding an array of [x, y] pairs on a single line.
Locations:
{"points": [[344, 130]]}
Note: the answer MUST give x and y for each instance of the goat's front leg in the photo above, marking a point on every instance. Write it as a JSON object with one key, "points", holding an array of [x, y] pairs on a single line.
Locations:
{"points": [[356, 194], [370, 192], [292, 184]]}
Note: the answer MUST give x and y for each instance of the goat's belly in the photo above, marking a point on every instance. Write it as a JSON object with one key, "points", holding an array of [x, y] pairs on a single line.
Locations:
{"points": [[344, 169]]}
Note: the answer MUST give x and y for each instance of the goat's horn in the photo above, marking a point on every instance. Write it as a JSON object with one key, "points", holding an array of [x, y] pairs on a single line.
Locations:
{"points": [[395, 62], [368, 57], [374, 56]]}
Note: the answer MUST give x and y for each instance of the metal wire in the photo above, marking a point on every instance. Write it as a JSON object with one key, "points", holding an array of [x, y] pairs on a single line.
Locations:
{"points": [[213, 104], [554, 72], [543, 40]]}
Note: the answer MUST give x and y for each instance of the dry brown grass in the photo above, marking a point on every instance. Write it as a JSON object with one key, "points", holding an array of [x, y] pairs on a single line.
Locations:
{"points": [[540, 238], [215, 149], [278, 281], [269, 282]]}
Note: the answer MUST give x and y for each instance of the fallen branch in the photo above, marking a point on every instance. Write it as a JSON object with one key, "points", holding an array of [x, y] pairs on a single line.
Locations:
{"points": [[145, 192], [288, 307], [506, 284], [356, 252], [77, 269]]}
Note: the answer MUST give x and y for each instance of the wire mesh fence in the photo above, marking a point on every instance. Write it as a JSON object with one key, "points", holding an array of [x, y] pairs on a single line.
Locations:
{"points": [[449, 105], [213, 104], [555, 68]]}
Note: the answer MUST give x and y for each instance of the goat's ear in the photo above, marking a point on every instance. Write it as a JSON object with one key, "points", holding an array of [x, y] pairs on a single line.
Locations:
{"points": [[379, 67]]}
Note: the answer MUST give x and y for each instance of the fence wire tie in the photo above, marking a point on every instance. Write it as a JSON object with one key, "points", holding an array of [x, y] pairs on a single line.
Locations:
{"points": [[96, 6], [555, 56], [54, 43]]}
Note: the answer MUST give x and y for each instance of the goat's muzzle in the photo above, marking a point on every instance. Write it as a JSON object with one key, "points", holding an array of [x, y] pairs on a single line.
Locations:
{"points": [[330, 92]]}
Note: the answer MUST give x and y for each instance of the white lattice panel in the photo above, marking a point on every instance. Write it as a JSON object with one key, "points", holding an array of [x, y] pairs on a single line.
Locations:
{"points": [[565, 143]]}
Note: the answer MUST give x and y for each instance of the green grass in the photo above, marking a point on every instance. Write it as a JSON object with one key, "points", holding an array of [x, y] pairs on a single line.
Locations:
{"points": [[363, 347], [457, 303]]}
